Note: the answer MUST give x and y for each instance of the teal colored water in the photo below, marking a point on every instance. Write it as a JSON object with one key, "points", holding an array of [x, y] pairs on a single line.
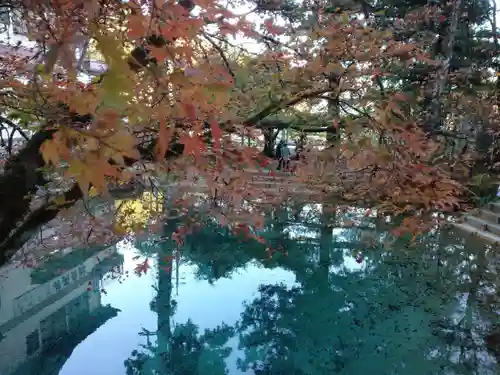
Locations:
{"points": [[326, 301]]}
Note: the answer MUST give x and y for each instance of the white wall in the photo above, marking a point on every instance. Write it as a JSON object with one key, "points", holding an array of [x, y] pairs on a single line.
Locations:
{"points": [[13, 348], [16, 282]]}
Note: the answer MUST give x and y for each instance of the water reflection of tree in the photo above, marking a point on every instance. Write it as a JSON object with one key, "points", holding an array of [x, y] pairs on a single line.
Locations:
{"points": [[413, 310], [179, 348], [395, 317]]}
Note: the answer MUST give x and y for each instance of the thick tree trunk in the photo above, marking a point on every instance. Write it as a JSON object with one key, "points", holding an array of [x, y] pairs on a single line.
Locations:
{"points": [[270, 136], [326, 240], [443, 52], [334, 110], [164, 312], [487, 137], [18, 183]]}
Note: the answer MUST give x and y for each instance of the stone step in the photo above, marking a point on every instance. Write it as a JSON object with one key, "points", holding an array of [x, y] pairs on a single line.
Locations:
{"points": [[483, 224], [270, 175], [272, 180], [277, 184], [293, 191], [488, 236], [265, 172], [490, 216]]}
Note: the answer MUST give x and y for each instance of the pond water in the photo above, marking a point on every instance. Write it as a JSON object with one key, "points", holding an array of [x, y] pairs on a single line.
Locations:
{"points": [[323, 300]]}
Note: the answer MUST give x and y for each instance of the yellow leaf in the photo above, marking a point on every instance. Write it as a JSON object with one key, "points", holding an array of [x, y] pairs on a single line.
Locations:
{"points": [[93, 192], [59, 201], [121, 140], [76, 167], [78, 171], [91, 143], [49, 152], [124, 142]]}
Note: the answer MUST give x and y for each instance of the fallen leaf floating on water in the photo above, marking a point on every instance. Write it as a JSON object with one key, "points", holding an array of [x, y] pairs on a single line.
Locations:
{"points": [[142, 268]]}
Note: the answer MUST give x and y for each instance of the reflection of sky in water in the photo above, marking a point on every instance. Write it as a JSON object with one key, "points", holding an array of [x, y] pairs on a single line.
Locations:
{"points": [[303, 231], [206, 305], [106, 349], [298, 231]]}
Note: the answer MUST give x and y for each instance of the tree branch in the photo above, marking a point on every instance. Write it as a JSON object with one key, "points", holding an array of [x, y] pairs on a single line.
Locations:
{"points": [[276, 107], [222, 55], [14, 233], [23, 173]]}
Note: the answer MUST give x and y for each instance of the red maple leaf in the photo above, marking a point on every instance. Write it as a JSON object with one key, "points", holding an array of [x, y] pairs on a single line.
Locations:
{"points": [[192, 145], [216, 134], [264, 163], [142, 268], [420, 167], [271, 28], [177, 237]]}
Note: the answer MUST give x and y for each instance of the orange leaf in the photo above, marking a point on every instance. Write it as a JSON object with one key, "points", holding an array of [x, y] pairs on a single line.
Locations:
{"points": [[216, 134], [273, 29], [159, 53], [192, 145], [190, 110], [163, 139], [49, 152], [136, 27]]}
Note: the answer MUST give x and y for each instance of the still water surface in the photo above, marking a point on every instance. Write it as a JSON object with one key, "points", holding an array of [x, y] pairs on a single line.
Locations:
{"points": [[226, 305]]}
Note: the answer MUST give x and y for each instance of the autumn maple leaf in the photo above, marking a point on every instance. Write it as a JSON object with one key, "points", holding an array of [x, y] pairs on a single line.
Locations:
{"points": [[271, 29], [216, 134], [142, 268], [177, 237], [192, 145]]}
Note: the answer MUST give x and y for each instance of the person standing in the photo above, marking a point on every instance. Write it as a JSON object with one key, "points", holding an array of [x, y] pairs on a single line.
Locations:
{"points": [[279, 156], [283, 156]]}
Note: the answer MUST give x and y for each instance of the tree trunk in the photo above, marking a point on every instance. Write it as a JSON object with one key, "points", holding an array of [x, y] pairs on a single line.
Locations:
{"points": [[18, 183], [443, 52], [326, 240], [334, 110], [164, 312], [487, 140], [270, 136]]}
